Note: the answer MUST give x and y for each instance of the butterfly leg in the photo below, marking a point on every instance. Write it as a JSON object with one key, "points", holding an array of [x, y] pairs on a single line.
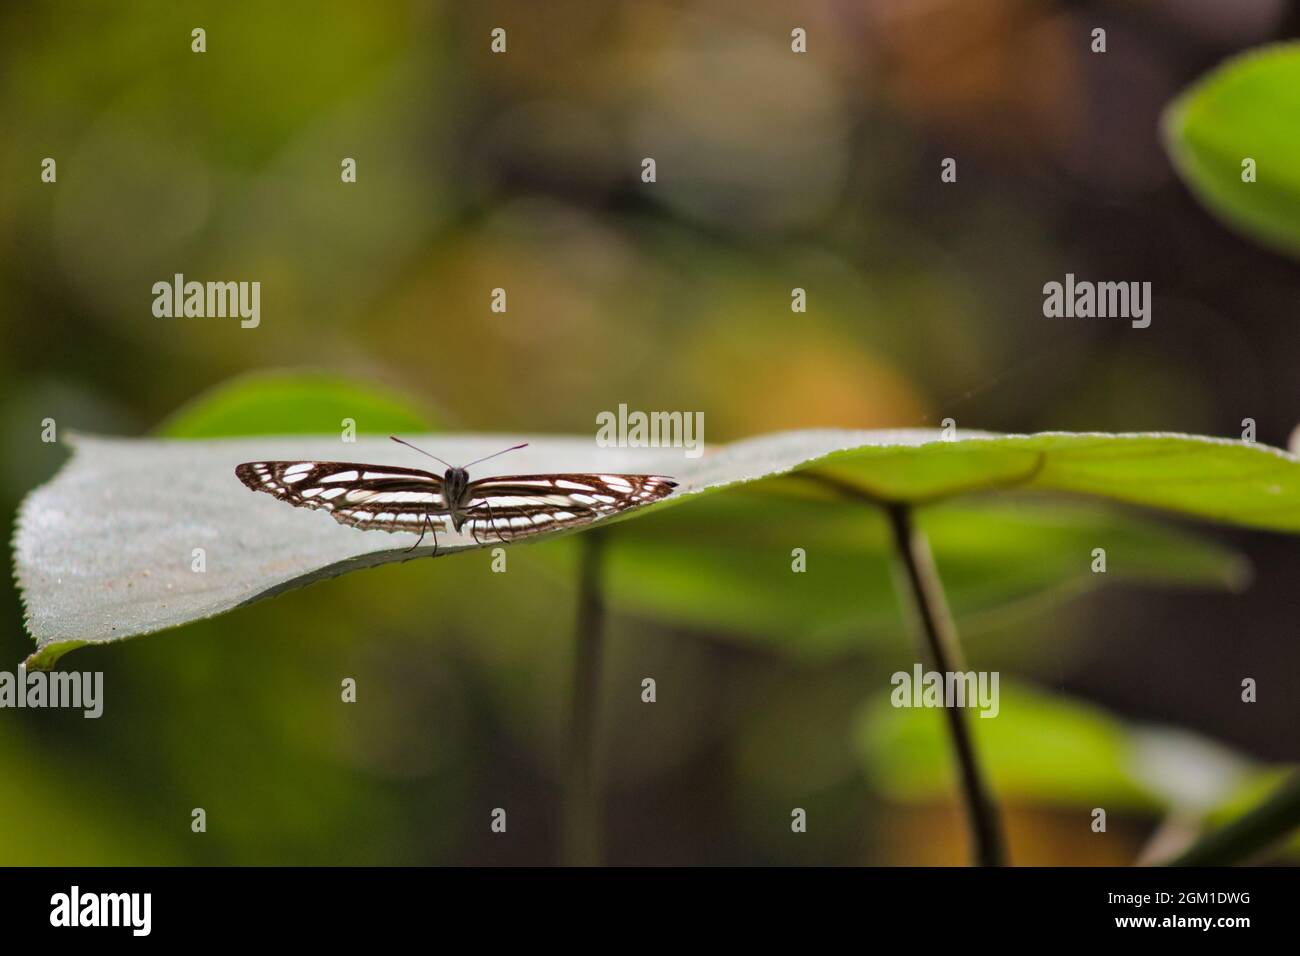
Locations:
{"points": [[492, 524], [473, 531], [493, 519], [426, 525], [420, 538]]}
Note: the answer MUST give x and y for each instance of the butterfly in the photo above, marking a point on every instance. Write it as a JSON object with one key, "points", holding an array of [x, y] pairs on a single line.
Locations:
{"points": [[391, 498]]}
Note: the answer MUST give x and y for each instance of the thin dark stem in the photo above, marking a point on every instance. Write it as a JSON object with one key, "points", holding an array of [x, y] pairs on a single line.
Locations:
{"points": [[941, 642], [582, 817]]}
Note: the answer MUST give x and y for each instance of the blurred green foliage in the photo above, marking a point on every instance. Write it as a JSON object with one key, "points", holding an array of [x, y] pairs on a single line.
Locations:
{"points": [[724, 563], [1231, 118], [1039, 748], [1053, 749], [295, 403]]}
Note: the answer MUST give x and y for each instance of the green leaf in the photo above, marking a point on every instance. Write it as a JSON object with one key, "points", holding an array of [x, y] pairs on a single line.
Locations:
{"points": [[1220, 479], [725, 564], [1049, 749], [103, 551], [1243, 110], [294, 403]]}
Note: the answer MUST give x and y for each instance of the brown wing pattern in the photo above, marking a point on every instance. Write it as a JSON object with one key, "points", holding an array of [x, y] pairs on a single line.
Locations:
{"points": [[516, 506], [362, 496]]}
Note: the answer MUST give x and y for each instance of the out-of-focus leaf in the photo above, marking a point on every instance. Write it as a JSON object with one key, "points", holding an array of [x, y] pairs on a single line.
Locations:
{"points": [[104, 550], [1039, 748], [1240, 111], [92, 821], [726, 563], [294, 403], [1194, 775], [1048, 749], [1263, 815]]}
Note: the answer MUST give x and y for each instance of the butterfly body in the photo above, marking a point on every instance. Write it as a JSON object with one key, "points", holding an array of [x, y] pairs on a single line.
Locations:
{"points": [[391, 498], [455, 491]]}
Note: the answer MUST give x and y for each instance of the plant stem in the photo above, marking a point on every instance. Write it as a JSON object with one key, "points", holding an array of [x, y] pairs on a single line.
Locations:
{"points": [[582, 818], [1248, 834], [940, 637]]}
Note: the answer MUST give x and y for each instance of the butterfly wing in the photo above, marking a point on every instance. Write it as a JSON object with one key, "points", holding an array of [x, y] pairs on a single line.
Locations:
{"points": [[363, 496], [516, 506]]}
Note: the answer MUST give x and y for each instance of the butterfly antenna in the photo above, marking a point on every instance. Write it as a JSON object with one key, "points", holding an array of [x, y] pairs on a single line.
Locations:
{"points": [[502, 452], [420, 450]]}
